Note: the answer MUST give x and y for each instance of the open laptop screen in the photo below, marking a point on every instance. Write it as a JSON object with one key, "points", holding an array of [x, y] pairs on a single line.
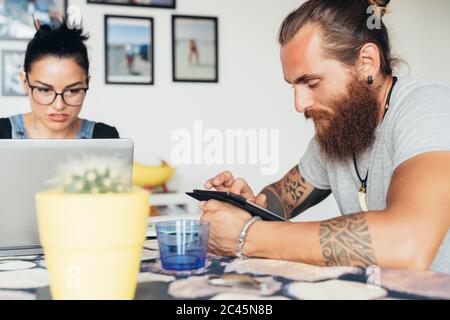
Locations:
{"points": [[26, 166]]}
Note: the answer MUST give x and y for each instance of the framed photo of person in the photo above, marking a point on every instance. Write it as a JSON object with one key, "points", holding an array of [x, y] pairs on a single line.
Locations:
{"points": [[12, 64], [16, 16], [129, 50], [195, 56], [167, 4]]}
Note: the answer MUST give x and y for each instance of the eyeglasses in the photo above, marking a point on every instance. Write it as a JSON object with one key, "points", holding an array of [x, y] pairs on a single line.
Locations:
{"points": [[46, 96]]}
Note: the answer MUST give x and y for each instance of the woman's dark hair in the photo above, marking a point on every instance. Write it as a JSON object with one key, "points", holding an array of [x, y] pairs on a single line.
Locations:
{"points": [[346, 27], [61, 42]]}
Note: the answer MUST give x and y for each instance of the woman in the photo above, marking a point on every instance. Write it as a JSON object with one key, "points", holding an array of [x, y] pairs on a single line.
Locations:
{"points": [[56, 80]]}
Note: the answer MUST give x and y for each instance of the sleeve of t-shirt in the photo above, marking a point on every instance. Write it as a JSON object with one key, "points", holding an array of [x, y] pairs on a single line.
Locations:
{"points": [[312, 167], [422, 123]]}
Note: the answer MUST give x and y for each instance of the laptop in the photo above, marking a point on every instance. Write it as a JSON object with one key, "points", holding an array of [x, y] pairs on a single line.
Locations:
{"points": [[26, 166]]}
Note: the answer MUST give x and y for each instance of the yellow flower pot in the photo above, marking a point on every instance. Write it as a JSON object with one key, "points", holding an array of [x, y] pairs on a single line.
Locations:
{"points": [[92, 242]]}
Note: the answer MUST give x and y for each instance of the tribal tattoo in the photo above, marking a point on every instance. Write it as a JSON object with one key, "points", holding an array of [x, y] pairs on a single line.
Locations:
{"points": [[285, 195], [346, 241], [295, 187]]}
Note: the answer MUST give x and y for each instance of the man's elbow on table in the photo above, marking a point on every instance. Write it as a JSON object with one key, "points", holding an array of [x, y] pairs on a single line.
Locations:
{"points": [[414, 256], [411, 247]]}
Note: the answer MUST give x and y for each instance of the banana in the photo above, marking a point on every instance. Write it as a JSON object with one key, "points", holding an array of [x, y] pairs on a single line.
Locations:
{"points": [[151, 176]]}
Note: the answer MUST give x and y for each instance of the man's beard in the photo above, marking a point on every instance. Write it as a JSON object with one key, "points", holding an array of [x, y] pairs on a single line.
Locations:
{"points": [[351, 129]]}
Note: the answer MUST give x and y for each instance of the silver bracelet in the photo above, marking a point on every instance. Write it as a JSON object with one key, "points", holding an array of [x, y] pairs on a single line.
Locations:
{"points": [[243, 237]]}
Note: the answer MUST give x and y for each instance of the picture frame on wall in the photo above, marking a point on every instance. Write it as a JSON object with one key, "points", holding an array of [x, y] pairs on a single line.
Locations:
{"points": [[165, 4], [129, 50], [12, 65], [195, 50], [16, 17]]}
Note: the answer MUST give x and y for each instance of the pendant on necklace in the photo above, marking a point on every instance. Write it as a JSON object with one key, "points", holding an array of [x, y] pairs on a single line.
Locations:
{"points": [[362, 196]]}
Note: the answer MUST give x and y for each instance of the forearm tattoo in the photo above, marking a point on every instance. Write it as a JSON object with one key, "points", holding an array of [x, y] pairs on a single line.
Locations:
{"points": [[346, 241], [284, 195], [274, 203], [295, 187]]}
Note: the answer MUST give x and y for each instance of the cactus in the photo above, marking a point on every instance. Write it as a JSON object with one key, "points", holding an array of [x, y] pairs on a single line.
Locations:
{"points": [[93, 174]]}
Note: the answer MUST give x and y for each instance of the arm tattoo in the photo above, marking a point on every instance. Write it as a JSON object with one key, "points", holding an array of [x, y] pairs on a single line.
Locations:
{"points": [[274, 203], [294, 186], [315, 197], [346, 241], [287, 196]]}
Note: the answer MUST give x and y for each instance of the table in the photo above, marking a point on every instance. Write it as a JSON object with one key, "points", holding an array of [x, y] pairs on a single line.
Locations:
{"points": [[27, 278]]}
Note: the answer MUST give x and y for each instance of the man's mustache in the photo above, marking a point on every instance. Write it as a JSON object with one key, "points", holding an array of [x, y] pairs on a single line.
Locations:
{"points": [[317, 115]]}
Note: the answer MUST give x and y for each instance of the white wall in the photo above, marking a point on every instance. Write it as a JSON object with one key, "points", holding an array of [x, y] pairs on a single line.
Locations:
{"points": [[251, 92], [420, 32]]}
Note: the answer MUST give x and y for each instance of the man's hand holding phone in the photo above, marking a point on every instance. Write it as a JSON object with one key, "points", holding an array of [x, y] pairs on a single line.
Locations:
{"points": [[226, 182]]}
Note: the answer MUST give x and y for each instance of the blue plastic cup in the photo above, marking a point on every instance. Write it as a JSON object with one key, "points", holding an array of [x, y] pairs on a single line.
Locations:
{"points": [[183, 244]]}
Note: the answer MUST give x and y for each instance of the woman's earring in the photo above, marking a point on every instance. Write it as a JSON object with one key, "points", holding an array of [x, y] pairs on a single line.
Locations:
{"points": [[370, 80]]}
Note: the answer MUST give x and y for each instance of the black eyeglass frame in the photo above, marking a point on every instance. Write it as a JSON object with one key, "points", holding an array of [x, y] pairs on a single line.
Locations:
{"points": [[56, 94]]}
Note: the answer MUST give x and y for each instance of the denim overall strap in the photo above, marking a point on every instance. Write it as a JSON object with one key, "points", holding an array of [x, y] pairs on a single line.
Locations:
{"points": [[18, 127], [87, 130]]}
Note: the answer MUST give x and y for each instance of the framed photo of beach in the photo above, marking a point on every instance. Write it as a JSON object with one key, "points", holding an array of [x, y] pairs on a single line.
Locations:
{"points": [[129, 50], [16, 17], [12, 64], [167, 4], [195, 56]]}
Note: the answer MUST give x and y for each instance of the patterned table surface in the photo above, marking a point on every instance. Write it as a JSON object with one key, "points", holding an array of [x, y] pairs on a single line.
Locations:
{"points": [[27, 278]]}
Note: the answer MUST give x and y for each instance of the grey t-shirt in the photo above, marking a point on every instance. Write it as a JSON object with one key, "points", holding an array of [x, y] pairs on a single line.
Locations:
{"points": [[418, 121]]}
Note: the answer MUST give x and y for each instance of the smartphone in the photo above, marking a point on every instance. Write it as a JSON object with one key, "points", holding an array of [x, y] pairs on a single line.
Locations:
{"points": [[238, 201]]}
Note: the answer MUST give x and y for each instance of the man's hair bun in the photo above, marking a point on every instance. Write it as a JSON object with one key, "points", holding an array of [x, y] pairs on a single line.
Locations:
{"points": [[381, 4]]}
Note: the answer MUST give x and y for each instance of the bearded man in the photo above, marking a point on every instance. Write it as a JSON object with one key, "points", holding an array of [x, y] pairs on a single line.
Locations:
{"points": [[382, 148]]}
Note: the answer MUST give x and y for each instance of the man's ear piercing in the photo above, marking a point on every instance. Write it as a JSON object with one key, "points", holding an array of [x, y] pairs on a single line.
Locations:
{"points": [[370, 80]]}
